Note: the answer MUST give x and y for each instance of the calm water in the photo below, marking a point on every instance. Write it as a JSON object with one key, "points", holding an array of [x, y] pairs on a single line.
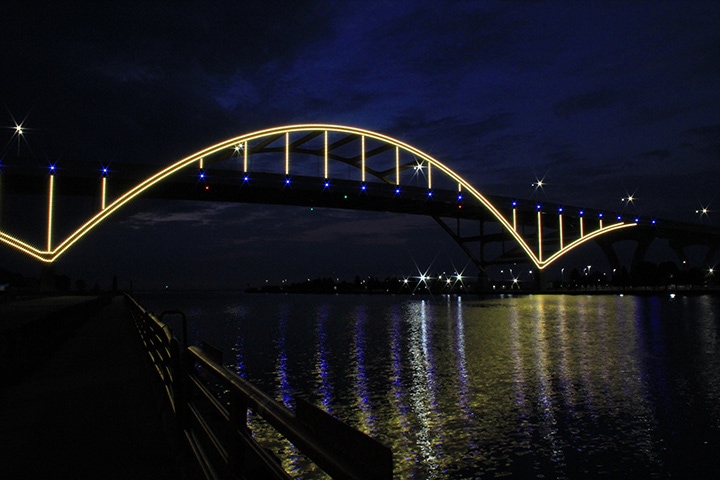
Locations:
{"points": [[527, 387]]}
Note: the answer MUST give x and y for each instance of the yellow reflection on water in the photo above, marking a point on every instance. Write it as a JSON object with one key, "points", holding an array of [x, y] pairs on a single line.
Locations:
{"points": [[423, 386], [363, 404]]}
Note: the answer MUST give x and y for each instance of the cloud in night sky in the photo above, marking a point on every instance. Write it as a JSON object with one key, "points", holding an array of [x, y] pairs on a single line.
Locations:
{"points": [[597, 98]]}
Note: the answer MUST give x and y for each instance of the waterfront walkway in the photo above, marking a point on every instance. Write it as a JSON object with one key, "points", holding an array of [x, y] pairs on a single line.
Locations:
{"points": [[89, 405]]}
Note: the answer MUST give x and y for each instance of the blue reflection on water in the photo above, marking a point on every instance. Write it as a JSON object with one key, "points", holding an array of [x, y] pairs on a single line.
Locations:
{"points": [[282, 377], [475, 388], [322, 364], [360, 376]]}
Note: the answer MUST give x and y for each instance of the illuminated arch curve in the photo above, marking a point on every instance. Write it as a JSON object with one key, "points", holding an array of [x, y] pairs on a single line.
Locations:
{"points": [[51, 255]]}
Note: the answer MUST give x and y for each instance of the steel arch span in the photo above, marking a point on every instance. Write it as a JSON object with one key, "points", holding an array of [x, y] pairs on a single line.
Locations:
{"points": [[379, 156]]}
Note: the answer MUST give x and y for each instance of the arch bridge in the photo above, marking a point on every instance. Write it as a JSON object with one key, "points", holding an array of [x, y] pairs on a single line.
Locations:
{"points": [[337, 166]]}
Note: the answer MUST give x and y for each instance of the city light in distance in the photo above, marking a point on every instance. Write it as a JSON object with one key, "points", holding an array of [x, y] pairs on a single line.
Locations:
{"points": [[538, 184], [628, 198], [703, 211]]}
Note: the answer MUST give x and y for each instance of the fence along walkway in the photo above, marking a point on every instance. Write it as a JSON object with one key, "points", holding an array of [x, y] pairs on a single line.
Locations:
{"points": [[211, 404]]}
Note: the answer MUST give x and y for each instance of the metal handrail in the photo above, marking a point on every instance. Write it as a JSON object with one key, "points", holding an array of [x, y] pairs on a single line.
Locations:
{"points": [[162, 347], [211, 403]]}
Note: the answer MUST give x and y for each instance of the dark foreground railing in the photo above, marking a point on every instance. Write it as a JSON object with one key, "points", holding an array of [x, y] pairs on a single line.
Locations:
{"points": [[211, 404]]}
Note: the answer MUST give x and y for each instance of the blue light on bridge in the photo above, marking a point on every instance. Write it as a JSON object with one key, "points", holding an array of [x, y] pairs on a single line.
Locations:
{"points": [[619, 218], [513, 219]]}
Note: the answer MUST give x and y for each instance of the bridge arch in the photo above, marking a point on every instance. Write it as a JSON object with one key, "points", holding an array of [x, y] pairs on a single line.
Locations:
{"points": [[284, 140]]}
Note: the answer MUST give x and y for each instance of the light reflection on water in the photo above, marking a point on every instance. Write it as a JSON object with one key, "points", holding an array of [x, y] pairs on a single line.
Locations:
{"points": [[554, 386]]}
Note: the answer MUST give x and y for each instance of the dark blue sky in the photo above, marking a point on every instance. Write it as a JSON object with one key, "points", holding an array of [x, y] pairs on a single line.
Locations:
{"points": [[600, 99]]}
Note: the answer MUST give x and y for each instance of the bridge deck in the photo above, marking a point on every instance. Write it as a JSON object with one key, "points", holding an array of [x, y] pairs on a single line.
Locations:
{"points": [[91, 408]]}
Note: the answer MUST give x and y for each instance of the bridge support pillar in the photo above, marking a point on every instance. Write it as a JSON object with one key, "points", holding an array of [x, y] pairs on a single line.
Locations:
{"points": [[540, 281], [708, 260], [610, 254], [640, 251], [483, 281], [679, 250], [710, 255], [47, 278]]}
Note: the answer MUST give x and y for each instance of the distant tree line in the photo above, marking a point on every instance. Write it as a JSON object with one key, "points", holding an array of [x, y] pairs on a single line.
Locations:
{"points": [[394, 285], [17, 282], [644, 274]]}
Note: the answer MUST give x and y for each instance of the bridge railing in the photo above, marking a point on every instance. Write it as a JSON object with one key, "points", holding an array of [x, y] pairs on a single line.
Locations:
{"points": [[211, 404]]}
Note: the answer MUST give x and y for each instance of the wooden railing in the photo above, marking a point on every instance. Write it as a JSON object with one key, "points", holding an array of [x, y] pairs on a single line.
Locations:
{"points": [[211, 404]]}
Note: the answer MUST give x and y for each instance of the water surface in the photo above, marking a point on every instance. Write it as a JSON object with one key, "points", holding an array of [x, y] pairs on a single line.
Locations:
{"points": [[468, 387]]}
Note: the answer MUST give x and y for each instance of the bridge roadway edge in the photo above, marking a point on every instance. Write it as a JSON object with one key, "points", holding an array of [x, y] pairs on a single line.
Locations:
{"points": [[93, 408]]}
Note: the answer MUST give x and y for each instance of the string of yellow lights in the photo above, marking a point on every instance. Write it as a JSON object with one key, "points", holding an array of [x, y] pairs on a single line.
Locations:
{"points": [[243, 141]]}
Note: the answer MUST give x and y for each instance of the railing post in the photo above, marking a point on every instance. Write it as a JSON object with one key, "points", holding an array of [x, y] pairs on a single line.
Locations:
{"points": [[175, 365], [238, 424], [186, 365]]}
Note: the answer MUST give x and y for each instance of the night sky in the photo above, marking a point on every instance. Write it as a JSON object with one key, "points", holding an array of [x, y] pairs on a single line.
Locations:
{"points": [[598, 99]]}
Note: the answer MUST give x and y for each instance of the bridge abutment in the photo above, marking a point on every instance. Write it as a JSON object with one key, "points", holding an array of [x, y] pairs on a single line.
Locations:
{"points": [[47, 278], [540, 280]]}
